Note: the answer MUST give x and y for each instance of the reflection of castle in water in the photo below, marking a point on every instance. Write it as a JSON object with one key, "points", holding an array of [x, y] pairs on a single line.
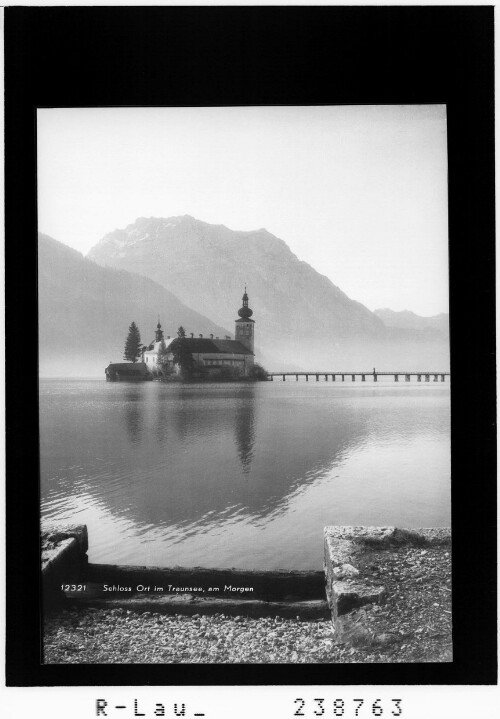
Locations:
{"points": [[244, 428], [210, 451], [161, 423], [186, 419], [133, 416]]}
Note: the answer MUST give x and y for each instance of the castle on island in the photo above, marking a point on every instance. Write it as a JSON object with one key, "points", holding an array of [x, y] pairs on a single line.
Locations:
{"points": [[212, 356]]}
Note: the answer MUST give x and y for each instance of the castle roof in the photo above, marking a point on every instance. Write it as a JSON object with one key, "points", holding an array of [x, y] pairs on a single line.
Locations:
{"points": [[208, 346], [205, 345], [128, 368], [232, 346]]}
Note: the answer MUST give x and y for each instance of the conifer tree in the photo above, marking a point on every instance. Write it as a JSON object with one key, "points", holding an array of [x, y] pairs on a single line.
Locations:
{"points": [[133, 344]]}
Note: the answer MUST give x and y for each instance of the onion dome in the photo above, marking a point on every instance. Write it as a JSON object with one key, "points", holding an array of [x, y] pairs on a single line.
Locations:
{"points": [[245, 313]]}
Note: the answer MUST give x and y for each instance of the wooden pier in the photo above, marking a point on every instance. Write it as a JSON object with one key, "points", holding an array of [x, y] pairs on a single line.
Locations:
{"points": [[372, 376]]}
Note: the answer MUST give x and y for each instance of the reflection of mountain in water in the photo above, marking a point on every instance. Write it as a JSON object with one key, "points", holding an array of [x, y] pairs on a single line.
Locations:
{"points": [[174, 454]]}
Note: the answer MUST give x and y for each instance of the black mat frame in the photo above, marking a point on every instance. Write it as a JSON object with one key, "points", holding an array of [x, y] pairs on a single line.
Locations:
{"points": [[115, 56]]}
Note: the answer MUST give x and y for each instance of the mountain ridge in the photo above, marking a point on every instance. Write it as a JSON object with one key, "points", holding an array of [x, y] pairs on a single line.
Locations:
{"points": [[85, 311], [406, 319], [302, 315], [163, 239]]}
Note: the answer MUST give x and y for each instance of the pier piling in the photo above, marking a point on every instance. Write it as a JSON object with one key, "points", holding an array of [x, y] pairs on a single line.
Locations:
{"points": [[407, 375]]}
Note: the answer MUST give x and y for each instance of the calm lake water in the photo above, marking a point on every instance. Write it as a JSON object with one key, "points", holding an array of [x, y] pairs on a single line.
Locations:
{"points": [[240, 475]]}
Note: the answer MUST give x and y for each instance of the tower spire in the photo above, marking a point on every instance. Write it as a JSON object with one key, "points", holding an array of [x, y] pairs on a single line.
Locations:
{"points": [[245, 312], [159, 331], [244, 329]]}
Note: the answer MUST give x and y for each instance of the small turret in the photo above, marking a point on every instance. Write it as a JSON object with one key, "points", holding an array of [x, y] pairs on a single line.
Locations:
{"points": [[159, 332]]}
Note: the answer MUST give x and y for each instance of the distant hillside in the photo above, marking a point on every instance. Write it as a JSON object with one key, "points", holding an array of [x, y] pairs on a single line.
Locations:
{"points": [[302, 318], [410, 321], [85, 311]]}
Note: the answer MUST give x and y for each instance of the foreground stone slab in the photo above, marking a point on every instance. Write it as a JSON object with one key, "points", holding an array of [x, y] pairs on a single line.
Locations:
{"points": [[354, 582], [60, 542], [63, 560]]}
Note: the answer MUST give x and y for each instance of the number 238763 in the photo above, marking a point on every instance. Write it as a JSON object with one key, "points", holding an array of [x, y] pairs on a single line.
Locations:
{"points": [[348, 708]]}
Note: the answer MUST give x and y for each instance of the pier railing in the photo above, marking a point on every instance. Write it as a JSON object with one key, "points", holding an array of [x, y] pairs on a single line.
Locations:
{"points": [[374, 375]]}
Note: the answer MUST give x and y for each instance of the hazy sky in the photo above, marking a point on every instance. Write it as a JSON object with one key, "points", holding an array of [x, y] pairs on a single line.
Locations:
{"points": [[359, 192]]}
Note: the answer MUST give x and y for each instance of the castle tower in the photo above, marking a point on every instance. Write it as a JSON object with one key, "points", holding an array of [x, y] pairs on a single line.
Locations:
{"points": [[159, 332], [244, 326]]}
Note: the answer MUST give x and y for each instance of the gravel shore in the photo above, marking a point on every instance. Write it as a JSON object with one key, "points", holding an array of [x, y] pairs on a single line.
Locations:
{"points": [[124, 636], [120, 636]]}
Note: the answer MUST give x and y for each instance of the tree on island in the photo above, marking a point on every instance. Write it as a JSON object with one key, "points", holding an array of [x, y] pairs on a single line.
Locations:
{"points": [[182, 354], [162, 358], [133, 344], [258, 372]]}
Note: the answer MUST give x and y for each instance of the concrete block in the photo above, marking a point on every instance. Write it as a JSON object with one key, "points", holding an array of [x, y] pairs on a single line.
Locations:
{"points": [[349, 588], [63, 560], [60, 541], [345, 588]]}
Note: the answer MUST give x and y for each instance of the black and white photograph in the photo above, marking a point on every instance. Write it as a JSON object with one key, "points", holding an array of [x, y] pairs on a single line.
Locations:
{"points": [[250, 362], [244, 387]]}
